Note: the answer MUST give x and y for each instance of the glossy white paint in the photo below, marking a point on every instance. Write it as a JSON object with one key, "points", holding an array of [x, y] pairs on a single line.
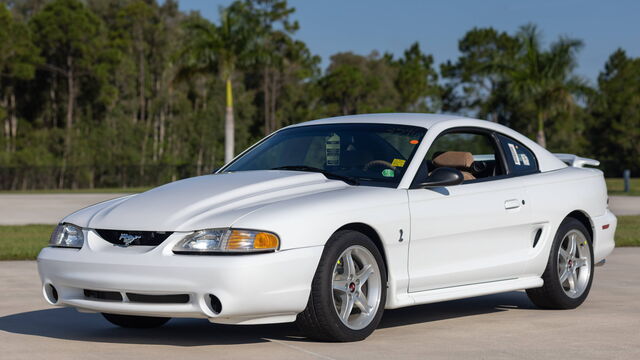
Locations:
{"points": [[457, 241]]}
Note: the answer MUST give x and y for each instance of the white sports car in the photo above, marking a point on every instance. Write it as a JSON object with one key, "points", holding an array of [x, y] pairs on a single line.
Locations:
{"points": [[329, 222]]}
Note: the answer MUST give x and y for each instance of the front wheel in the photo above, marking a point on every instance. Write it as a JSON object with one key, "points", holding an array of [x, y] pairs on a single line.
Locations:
{"points": [[569, 272], [348, 292], [139, 322]]}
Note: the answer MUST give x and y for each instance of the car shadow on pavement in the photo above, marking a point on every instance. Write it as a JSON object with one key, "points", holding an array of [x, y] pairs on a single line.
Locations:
{"points": [[68, 324], [456, 308]]}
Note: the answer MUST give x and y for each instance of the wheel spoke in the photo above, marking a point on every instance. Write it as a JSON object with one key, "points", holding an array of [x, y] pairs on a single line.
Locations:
{"points": [[572, 245], [340, 285], [564, 276], [579, 262], [350, 265], [364, 274], [574, 280], [572, 283], [347, 307], [563, 253], [362, 303]]}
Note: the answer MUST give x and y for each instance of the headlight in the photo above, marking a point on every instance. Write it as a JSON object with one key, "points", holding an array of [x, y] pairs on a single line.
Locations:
{"points": [[68, 236], [228, 241]]}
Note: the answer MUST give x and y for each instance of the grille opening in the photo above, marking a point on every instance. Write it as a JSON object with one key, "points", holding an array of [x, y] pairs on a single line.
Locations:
{"points": [[103, 295], [159, 299], [134, 238], [215, 304], [537, 237]]}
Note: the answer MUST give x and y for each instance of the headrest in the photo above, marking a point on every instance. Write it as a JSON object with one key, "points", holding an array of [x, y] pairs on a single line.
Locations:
{"points": [[454, 159]]}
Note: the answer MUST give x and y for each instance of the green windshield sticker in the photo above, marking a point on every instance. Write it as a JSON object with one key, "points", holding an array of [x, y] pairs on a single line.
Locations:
{"points": [[388, 173]]}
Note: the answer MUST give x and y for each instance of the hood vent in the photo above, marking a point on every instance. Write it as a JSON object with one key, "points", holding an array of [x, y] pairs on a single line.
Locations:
{"points": [[134, 238]]}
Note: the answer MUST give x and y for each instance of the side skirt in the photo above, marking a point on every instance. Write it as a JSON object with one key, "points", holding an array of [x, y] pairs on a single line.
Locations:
{"points": [[461, 292]]}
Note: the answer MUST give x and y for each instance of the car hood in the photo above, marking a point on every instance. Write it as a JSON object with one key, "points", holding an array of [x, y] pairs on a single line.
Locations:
{"points": [[208, 201]]}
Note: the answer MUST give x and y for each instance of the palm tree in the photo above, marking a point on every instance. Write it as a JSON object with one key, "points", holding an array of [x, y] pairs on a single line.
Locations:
{"points": [[543, 79], [221, 49]]}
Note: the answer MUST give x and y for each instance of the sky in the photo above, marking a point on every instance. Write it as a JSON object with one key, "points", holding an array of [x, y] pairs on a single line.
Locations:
{"points": [[361, 26]]}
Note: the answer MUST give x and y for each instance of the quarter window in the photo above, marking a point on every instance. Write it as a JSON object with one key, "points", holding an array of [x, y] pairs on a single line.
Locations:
{"points": [[519, 158]]}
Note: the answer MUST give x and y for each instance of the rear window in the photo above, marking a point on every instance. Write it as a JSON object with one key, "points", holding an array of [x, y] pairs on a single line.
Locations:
{"points": [[520, 159]]}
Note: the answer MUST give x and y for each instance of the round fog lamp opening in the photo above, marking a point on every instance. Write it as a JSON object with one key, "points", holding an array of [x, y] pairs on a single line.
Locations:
{"points": [[50, 293], [215, 304]]}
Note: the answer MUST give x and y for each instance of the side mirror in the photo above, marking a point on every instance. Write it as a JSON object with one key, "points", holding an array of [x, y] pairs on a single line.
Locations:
{"points": [[443, 176]]}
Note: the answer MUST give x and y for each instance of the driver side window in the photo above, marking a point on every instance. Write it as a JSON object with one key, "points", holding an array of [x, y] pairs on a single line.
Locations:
{"points": [[474, 154]]}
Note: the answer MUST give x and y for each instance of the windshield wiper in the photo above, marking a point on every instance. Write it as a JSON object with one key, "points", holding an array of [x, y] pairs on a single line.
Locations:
{"points": [[328, 174]]}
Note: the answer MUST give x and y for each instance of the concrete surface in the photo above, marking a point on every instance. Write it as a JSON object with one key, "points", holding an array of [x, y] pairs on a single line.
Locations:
{"points": [[503, 326], [625, 205], [21, 209]]}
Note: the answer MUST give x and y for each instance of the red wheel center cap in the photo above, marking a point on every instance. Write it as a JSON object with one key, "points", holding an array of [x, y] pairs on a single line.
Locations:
{"points": [[570, 263], [352, 287]]}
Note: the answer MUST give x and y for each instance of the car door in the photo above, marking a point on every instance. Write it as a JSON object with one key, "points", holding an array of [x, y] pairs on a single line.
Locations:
{"points": [[475, 232]]}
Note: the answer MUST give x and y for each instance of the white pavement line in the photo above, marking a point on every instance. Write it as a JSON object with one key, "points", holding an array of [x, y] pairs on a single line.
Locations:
{"points": [[308, 352]]}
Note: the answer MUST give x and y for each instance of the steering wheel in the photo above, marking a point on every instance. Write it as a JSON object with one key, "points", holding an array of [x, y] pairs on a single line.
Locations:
{"points": [[386, 164]]}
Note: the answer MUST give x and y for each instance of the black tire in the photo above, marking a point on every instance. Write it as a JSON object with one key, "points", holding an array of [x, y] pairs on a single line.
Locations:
{"points": [[136, 322], [319, 321], [552, 295]]}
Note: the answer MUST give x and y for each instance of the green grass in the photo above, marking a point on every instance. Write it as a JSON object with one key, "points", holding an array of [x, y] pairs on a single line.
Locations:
{"points": [[616, 187], [23, 242], [80, 191], [628, 232]]}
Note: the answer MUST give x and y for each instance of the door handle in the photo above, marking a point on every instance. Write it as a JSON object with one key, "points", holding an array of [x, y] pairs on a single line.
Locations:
{"points": [[512, 204]]}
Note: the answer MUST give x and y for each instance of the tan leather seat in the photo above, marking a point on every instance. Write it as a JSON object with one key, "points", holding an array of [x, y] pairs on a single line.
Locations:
{"points": [[460, 160]]}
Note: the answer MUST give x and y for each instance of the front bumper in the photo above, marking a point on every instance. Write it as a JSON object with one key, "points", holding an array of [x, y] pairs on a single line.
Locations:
{"points": [[259, 288]]}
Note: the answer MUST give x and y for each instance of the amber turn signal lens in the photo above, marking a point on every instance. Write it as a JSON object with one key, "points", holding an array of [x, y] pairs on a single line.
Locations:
{"points": [[265, 241], [248, 240]]}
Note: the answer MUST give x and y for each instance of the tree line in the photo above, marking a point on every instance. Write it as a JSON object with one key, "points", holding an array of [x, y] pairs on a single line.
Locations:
{"points": [[106, 93]]}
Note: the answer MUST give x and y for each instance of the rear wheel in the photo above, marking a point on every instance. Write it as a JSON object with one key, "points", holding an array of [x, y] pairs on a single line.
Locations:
{"points": [[348, 292], [569, 272], [139, 322]]}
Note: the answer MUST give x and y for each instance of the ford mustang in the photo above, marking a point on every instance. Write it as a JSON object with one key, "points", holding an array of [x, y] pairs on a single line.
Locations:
{"points": [[330, 222]]}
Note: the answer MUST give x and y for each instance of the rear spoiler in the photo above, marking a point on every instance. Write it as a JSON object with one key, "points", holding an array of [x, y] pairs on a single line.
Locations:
{"points": [[576, 161]]}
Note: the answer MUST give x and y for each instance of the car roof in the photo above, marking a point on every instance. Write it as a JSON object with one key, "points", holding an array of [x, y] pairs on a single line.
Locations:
{"points": [[422, 120]]}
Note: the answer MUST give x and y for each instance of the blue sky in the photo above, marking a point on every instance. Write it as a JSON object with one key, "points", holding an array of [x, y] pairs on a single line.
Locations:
{"points": [[330, 26]]}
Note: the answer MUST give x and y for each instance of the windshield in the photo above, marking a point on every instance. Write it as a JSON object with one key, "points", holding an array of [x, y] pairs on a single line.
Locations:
{"points": [[371, 154]]}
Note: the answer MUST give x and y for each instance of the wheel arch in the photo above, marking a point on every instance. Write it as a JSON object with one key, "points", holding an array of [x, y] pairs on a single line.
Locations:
{"points": [[584, 218], [372, 234]]}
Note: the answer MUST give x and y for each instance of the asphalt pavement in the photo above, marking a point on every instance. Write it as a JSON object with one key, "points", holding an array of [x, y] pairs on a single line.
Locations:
{"points": [[502, 326], [22, 209]]}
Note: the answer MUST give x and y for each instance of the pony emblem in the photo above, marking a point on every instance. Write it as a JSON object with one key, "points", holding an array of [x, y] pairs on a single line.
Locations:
{"points": [[127, 239]]}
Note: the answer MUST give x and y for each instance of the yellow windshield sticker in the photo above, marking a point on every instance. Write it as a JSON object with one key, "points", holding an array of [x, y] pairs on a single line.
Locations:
{"points": [[398, 162]]}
